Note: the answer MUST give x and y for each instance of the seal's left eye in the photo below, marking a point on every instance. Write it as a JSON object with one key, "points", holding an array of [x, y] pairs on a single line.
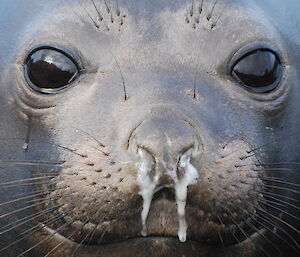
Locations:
{"points": [[259, 71], [50, 70]]}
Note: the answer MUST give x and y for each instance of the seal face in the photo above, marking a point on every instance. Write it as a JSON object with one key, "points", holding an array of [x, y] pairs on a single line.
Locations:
{"points": [[149, 128]]}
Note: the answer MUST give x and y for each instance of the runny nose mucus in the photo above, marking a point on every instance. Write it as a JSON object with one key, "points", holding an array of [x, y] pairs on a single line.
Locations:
{"points": [[164, 150]]}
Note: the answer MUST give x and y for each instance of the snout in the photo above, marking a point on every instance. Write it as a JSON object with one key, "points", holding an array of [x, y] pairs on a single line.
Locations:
{"points": [[163, 149]]}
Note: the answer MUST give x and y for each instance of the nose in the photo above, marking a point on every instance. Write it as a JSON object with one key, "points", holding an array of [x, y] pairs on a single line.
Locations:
{"points": [[163, 141], [163, 149]]}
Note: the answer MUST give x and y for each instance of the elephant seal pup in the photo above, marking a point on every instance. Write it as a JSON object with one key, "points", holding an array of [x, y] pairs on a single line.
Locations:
{"points": [[149, 128]]}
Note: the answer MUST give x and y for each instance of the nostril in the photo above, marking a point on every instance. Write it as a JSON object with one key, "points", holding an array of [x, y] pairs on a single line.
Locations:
{"points": [[146, 166], [185, 167], [145, 154], [164, 139], [189, 149]]}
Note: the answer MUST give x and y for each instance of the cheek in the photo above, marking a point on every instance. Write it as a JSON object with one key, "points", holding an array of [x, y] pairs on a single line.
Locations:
{"points": [[229, 188]]}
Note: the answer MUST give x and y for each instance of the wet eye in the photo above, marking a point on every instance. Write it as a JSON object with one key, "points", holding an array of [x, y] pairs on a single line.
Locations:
{"points": [[259, 71], [50, 70]]}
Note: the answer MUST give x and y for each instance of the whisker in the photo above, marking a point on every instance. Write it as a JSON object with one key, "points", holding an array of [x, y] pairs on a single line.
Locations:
{"points": [[274, 233], [101, 151], [281, 188], [247, 156], [27, 219], [122, 77], [236, 224], [24, 198], [279, 163], [282, 205], [276, 226], [220, 236], [280, 169], [71, 150], [45, 239], [27, 207], [278, 209], [278, 219], [73, 233], [267, 144], [25, 180], [195, 85], [63, 242], [277, 180], [281, 201], [272, 164], [52, 179], [82, 241], [239, 227], [92, 137], [221, 239], [58, 245], [265, 193], [271, 186], [242, 230], [31, 233], [44, 198], [263, 236], [214, 24], [28, 192], [212, 10], [101, 238], [47, 222], [90, 16], [34, 163], [192, 8], [31, 184], [201, 7], [100, 17], [94, 231], [262, 249]]}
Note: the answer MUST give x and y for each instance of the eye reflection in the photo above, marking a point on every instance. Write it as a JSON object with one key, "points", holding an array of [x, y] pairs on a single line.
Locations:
{"points": [[50, 69], [259, 71]]}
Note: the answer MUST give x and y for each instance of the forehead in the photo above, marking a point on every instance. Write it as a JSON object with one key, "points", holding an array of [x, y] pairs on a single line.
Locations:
{"points": [[276, 11], [207, 31]]}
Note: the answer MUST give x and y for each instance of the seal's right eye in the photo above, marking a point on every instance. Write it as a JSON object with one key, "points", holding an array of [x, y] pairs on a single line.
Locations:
{"points": [[49, 70]]}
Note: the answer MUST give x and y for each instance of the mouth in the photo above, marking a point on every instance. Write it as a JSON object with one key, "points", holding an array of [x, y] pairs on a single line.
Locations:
{"points": [[115, 233], [157, 246]]}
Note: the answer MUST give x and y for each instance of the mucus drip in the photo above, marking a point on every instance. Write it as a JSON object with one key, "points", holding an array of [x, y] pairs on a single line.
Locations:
{"points": [[147, 186], [181, 185]]}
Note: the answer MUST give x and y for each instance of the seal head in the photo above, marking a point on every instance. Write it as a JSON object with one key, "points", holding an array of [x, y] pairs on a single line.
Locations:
{"points": [[149, 128]]}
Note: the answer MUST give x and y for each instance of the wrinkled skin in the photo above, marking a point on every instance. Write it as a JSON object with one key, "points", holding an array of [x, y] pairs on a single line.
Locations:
{"points": [[81, 166]]}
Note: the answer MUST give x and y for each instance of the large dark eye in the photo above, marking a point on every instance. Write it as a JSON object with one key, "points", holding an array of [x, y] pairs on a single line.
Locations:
{"points": [[49, 70], [260, 71]]}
